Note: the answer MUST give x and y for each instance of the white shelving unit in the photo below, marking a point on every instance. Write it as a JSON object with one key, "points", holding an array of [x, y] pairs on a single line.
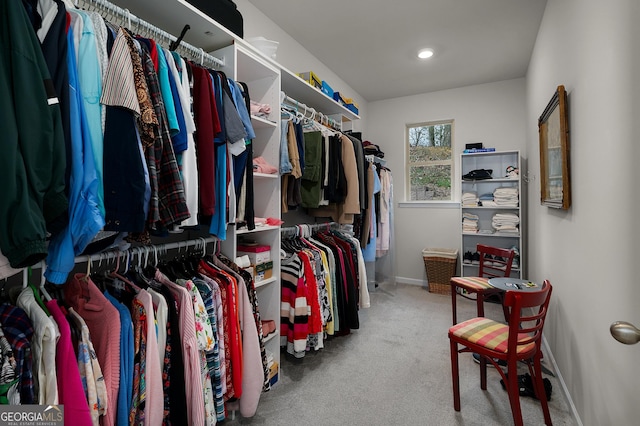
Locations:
{"points": [[498, 162], [263, 81]]}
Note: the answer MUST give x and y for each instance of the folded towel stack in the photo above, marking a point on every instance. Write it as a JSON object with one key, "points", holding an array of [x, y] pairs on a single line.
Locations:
{"points": [[469, 199], [505, 222], [506, 196], [469, 223]]}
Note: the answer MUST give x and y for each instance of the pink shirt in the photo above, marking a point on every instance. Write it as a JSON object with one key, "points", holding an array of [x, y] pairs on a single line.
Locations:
{"points": [[190, 354], [154, 403], [70, 390], [103, 320]]}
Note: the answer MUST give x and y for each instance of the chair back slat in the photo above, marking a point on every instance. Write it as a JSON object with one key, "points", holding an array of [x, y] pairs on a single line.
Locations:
{"points": [[526, 329], [494, 261]]}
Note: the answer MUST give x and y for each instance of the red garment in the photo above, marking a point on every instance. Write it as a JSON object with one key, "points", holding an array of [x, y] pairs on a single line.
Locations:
{"points": [[153, 51], [233, 324], [315, 319], [207, 124], [70, 391], [229, 390]]}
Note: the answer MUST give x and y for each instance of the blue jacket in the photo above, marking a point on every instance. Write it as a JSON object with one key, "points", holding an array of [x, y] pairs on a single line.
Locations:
{"points": [[85, 219]]}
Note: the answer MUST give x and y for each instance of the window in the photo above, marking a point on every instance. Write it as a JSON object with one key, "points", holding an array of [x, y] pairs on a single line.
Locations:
{"points": [[430, 164]]}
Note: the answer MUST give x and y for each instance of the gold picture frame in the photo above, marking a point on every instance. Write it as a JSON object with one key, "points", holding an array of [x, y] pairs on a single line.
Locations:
{"points": [[553, 128]]}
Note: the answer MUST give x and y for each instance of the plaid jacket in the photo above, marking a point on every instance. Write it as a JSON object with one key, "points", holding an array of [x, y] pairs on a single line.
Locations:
{"points": [[18, 330]]}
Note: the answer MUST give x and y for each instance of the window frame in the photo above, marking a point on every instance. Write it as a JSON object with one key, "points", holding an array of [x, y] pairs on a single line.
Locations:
{"points": [[409, 164]]}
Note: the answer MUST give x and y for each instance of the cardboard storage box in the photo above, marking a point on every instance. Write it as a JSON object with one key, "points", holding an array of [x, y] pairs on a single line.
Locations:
{"points": [[273, 373], [262, 271], [326, 89], [311, 78], [257, 253], [339, 98], [353, 107]]}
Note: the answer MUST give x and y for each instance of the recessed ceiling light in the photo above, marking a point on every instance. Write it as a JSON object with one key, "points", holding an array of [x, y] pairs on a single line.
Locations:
{"points": [[425, 53]]}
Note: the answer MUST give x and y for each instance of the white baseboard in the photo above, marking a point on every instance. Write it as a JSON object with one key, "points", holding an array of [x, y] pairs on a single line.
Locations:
{"points": [[565, 391], [412, 281]]}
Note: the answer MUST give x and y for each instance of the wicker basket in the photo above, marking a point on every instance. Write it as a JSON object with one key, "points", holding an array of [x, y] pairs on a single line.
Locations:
{"points": [[440, 265]]}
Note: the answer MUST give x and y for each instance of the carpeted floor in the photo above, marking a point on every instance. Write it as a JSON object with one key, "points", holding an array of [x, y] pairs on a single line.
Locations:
{"points": [[395, 370]]}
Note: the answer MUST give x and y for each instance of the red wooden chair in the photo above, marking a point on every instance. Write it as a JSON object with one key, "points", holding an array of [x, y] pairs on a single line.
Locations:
{"points": [[494, 262], [518, 341]]}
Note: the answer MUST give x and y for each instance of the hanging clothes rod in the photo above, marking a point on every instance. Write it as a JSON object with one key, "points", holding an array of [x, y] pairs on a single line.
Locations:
{"points": [[157, 249], [290, 103], [127, 19], [147, 250], [306, 229], [373, 159]]}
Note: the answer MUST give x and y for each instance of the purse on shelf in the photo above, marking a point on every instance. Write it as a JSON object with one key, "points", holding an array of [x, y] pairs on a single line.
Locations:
{"points": [[225, 12]]}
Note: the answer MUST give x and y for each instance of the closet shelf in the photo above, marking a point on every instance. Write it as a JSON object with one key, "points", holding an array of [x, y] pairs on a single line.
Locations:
{"points": [[271, 336], [258, 229], [266, 176], [493, 180], [204, 32], [495, 234], [299, 89], [265, 282], [490, 207], [261, 123]]}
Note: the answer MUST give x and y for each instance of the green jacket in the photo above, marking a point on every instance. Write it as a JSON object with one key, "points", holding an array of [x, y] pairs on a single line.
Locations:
{"points": [[32, 155]]}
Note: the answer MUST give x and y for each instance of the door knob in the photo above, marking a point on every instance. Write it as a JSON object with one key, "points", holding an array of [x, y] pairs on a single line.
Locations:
{"points": [[625, 332]]}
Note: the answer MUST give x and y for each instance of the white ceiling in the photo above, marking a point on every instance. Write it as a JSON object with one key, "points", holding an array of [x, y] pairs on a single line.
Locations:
{"points": [[372, 45]]}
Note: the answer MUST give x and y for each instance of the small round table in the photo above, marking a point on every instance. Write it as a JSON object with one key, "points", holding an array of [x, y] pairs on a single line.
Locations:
{"points": [[514, 284]]}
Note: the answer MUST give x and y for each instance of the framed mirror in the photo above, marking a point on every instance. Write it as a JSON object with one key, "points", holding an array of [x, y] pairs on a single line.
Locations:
{"points": [[553, 128]]}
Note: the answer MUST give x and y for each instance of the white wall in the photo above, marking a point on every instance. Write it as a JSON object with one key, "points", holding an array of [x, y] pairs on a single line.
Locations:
{"points": [[293, 56], [588, 252], [493, 114]]}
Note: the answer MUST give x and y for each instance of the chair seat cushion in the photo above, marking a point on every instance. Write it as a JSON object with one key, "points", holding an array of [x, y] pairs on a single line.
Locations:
{"points": [[489, 334], [472, 284]]}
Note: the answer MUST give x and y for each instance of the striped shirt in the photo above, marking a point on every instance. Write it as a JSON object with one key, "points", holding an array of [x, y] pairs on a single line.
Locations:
{"points": [[119, 88], [294, 309], [213, 355]]}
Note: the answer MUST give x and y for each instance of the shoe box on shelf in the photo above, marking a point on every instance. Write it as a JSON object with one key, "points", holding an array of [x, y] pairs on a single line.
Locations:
{"points": [[273, 368], [260, 258]]}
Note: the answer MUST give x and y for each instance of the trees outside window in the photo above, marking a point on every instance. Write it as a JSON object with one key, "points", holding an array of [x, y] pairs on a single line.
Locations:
{"points": [[429, 161]]}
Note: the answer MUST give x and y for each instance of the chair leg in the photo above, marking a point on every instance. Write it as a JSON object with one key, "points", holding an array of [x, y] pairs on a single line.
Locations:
{"points": [[480, 303], [455, 376], [513, 390], [454, 309], [539, 388], [483, 373], [504, 308]]}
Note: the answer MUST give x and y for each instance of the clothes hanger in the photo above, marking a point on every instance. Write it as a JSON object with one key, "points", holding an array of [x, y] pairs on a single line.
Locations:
{"points": [[25, 276], [288, 113], [195, 257], [43, 281], [175, 268], [164, 267], [150, 270], [136, 273], [114, 279], [3, 293]]}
